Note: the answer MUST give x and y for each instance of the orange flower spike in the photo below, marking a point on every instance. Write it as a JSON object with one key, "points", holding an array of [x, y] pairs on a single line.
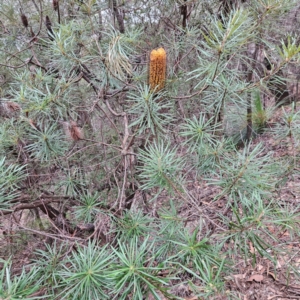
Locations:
{"points": [[157, 69]]}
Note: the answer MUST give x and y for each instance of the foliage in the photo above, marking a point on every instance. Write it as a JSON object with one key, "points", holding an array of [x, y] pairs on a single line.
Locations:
{"points": [[88, 207], [11, 176], [162, 166], [246, 172], [135, 273], [133, 225], [83, 275], [22, 286]]}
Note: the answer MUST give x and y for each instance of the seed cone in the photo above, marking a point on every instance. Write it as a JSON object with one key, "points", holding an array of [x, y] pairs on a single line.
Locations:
{"points": [[157, 69], [55, 4], [49, 27], [24, 20]]}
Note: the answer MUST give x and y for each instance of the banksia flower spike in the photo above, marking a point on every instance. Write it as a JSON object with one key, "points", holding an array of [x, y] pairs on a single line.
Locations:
{"points": [[157, 69]]}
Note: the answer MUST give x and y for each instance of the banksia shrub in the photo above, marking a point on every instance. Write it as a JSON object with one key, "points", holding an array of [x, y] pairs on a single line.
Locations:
{"points": [[157, 69]]}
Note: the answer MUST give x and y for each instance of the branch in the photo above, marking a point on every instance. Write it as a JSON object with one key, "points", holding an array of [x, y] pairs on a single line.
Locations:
{"points": [[35, 204], [118, 16]]}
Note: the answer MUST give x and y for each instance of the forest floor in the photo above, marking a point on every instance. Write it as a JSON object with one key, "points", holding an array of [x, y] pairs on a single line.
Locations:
{"points": [[260, 279]]}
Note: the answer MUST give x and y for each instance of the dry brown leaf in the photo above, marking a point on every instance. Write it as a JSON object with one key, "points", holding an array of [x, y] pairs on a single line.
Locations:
{"points": [[278, 265], [72, 131], [271, 229], [273, 275], [286, 233], [10, 108], [239, 276], [252, 250], [256, 277], [13, 106], [261, 269], [33, 124]]}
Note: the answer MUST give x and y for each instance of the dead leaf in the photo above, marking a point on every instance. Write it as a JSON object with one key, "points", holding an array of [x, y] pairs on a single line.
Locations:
{"points": [[260, 269], [256, 277], [278, 265], [252, 250], [286, 233], [13, 106], [72, 131], [239, 276], [273, 275]]}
